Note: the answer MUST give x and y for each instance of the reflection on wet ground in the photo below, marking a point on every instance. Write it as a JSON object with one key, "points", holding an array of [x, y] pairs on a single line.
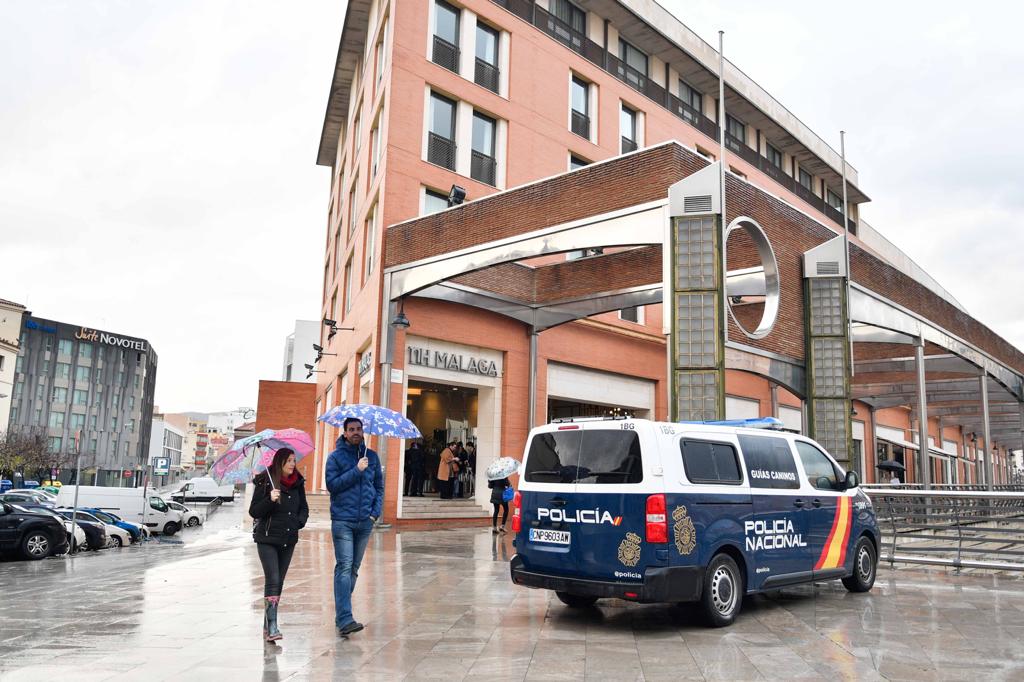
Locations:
{"points": [[439, 604]]}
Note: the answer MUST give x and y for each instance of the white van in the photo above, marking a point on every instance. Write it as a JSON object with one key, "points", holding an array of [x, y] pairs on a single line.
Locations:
{"points": [[688, 512], [203, 489], [135, 505]]}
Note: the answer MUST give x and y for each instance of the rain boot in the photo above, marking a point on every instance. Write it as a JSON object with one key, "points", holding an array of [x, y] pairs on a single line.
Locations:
{"points": [[270, 618]]}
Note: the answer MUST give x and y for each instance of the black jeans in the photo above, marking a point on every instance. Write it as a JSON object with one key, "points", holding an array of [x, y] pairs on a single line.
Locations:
{"points": [[414, 483], [275, 560], [504, 513]]}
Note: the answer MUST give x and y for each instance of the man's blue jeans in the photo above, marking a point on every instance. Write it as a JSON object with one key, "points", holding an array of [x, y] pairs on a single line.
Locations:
{"points": [[350, 539]]}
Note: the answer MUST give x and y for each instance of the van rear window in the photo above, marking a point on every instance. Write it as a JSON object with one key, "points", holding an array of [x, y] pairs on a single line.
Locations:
{"points": [[585, 456], [707, 462]]}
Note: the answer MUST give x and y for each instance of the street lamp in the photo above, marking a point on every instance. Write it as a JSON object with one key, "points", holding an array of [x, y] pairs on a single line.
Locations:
{"points": [[400, 321]]}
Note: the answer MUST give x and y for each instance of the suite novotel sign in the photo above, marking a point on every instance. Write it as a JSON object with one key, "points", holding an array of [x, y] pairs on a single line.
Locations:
{"points": [[86, 334], [453, 361]]}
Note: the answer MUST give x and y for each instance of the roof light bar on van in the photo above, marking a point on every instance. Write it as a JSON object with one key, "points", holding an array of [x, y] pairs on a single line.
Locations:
{"points": [[760, 423], [605, 418]]}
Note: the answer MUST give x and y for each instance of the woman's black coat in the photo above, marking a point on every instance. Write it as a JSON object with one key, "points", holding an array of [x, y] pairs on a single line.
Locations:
{"points": [[498, 490], [278, 523]]}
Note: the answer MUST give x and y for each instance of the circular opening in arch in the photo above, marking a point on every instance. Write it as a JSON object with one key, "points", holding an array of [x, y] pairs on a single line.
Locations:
{"points": [[752, 278]]}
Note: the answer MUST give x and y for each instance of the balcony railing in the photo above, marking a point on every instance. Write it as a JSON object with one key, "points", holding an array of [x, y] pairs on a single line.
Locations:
{"points": [[580, 124], [596, 54], [628, 145], [483, 168], [445, 54], [441, 150], [486, 75]]}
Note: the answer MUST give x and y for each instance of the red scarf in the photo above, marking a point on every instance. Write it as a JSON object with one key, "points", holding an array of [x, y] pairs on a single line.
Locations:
{"points": [[290, 480]]}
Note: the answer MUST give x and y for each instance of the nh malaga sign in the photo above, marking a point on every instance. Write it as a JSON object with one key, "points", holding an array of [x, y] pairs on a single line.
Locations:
{"points": [[86, 334], [456, 362]]}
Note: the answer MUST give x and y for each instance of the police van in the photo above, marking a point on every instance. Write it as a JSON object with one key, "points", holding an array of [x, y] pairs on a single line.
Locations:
{"points": [[686, 512]]}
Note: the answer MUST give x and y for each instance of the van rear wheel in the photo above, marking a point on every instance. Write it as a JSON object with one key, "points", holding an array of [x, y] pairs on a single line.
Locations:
{"points": [[170, 528], [575, 601], [723, 591]]}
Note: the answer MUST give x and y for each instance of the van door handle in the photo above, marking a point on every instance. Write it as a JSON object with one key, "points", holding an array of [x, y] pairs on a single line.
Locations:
{"points": [[558, 502], [816, 502], [798, 502]]}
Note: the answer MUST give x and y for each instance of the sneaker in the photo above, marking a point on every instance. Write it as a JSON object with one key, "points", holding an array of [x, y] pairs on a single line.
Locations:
{"points": [[501, 529], [346, 630], [494, 530]]}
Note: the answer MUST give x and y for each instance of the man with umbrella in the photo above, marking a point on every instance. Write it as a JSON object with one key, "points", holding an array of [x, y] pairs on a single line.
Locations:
{"points": [[356, 484]]}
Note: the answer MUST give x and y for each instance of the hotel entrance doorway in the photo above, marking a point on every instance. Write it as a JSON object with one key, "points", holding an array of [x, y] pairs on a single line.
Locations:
{"points": [[443, 413]]}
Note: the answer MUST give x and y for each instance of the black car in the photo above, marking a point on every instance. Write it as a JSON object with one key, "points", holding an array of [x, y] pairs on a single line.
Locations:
{"points": [[36, 533], [95, 532]]}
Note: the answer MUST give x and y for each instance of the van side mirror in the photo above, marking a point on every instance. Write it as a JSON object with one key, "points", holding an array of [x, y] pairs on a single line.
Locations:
{"points": [[852, 480]]}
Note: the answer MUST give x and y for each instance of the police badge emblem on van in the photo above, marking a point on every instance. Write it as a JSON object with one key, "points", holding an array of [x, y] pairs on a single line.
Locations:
{"points": [[683, 531], [629, 550]]}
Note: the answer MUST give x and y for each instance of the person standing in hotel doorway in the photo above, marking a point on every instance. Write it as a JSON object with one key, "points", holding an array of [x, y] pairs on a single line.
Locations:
{"points": [[280, 509], [415, 470], [356, 485], [447, 470], [895, 480], [498, 502]]}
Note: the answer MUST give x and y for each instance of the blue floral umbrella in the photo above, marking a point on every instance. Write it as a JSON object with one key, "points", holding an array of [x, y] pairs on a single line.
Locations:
{"points": [[377, 420]]}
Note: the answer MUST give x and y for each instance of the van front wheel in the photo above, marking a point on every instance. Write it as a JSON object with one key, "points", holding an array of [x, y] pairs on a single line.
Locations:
{"points": [[864, 567], [723, 591], [575, 601]]}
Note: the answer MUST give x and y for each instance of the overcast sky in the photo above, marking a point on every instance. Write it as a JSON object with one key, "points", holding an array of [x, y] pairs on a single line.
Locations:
{"points": [[158, 177]]}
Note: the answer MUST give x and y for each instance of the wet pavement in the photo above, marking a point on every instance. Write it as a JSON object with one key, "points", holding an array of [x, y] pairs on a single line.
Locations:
{"points": [[439, 604]]}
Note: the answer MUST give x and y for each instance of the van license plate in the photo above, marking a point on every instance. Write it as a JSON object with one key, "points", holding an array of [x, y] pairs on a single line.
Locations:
{"points": [[555, 537]]}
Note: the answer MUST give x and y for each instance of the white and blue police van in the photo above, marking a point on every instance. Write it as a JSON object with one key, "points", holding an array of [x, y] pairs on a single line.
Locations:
{"points": [[701, 512]]}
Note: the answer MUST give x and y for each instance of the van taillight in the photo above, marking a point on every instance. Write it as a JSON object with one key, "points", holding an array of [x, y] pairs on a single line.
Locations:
{"points": [[517, 518], [657, 520]]}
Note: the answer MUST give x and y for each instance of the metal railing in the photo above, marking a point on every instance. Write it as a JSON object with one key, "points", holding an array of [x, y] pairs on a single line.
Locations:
{"points": [[441, 150], [628, 145], [486, 75], [445, 54], [483, 168], [641, 82], [958, 528], [580, 124]]}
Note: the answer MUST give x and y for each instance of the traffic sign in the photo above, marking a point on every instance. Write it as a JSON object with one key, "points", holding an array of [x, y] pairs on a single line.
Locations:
{"points": [[127, 473], [161, 466]]}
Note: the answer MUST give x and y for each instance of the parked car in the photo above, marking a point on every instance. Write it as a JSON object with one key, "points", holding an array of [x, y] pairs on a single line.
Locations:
{"points": [[116, 537], [37, 534], [188, 517], [95, 532], [52, 489], [135, 505], [39, 493], [30, 484], [76, 536], [27, 500], [134, 530], [203, 489]]}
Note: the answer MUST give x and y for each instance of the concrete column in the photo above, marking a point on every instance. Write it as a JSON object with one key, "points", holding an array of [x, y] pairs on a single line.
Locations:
{"points": [[775, 400], [532, 411], [922, 415], [988, 431]]}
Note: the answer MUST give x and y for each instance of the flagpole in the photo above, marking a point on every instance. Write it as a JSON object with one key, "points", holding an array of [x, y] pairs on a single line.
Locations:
{"points": [[721, 170], [846, 248]]}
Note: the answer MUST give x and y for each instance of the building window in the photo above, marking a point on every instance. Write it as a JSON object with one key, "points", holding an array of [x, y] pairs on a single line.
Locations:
{"points": [[56, 420], [353, 204], [19, 388], [635, 64], [736, 130], [370, 242], [80, 397], [632, 314], [337, 253], [92, 446], [583, 253], [692, 99], [483, 166], [577, 162], [333, 312], [83, 373], [131, 426], [445, 50], [441, 137], [131, 402], [19, 363], [434, 201], [38, 419], [63, 370], [92, 422], [60, 395], [113, 423], [14, 414], [64, 347], [806, 180], [834, 200], [54, 443], [357, 131], [381, 53], [486, 72], [627, 128], [348, 285], [580, 101], [375, 149], [77, 422], [567, 23], [773, 155], [84, 350]]}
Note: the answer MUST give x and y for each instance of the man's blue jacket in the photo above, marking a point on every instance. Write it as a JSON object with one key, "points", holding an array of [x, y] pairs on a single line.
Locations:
{"points": [[355, 495]]}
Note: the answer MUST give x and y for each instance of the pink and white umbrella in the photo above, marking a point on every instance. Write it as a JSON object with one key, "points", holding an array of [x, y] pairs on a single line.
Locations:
{"points": [[248, 456]]}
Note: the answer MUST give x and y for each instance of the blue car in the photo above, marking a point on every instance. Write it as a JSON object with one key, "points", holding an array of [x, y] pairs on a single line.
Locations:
{"points": [[6, 484], [114, 520]]}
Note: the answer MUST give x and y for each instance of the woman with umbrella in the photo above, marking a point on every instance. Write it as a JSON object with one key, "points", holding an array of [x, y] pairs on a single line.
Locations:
{"points": [[498, 472], [280, 509]]}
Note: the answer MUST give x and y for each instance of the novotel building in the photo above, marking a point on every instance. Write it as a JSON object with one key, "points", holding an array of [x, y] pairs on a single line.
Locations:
{"points": [[90, 390]]}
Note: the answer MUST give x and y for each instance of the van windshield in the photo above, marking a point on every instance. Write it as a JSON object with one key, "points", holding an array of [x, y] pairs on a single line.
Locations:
{"points": [[598, 456]]}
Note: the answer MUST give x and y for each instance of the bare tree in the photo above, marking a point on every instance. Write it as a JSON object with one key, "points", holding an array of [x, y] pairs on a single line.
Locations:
{"points": [[22, 451]]}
